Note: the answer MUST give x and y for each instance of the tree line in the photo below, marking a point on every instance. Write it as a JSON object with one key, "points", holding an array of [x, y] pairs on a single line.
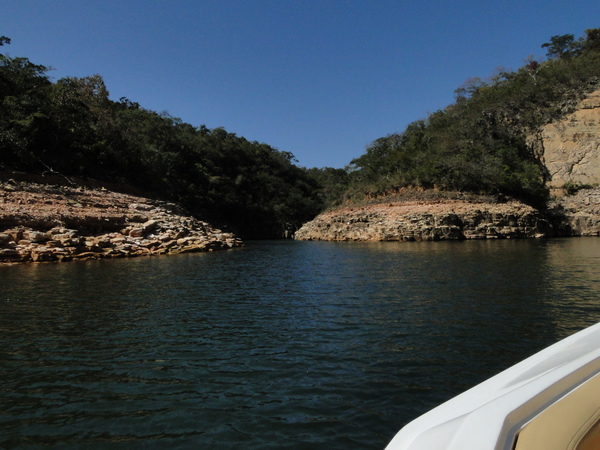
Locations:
{"points": [[71, 127]]}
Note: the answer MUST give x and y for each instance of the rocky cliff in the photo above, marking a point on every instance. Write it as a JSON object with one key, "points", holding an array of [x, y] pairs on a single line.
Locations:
{"points": [[455, 219], [40, 222], [570, 148], [579, 214]]}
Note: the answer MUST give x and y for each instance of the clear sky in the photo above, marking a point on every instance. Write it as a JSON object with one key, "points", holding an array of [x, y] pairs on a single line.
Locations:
{"points": [[318, 78]]}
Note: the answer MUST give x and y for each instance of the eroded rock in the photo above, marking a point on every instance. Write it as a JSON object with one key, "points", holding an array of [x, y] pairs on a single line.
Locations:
{"points": [[570, 148], [419, 221], [39, 226]]}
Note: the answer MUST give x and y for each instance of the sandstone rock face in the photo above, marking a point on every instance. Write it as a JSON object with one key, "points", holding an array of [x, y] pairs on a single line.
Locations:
{"points": [[570, 147], [579, 213], [40, 223], [410, 221]]}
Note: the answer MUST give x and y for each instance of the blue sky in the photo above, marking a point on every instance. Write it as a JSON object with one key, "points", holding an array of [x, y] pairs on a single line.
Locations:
{"points": [[318, 78]]}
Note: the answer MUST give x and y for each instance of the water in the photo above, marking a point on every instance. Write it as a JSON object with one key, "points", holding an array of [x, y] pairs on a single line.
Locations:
{"points": [[295, 345]]}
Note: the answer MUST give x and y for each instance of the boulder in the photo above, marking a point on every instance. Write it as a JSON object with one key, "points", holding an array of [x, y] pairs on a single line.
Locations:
{"points": [[136, 232], [149, 226], [35, 236]]}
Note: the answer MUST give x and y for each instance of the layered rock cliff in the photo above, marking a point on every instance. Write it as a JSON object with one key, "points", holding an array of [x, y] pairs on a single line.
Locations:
{"points": [[427, 221], [455, 219], [40, 222], [570, 148]]}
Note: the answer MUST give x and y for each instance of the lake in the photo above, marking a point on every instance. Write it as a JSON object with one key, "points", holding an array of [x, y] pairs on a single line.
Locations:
{"points": [[281, 344]]}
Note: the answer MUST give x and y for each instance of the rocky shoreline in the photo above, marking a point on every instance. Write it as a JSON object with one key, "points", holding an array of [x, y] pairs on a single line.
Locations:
{"points": [[457, 219], [44, 223]]}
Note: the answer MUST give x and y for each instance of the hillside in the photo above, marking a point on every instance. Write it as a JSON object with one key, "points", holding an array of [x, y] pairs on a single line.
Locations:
{"points": [[491, 139], [519, 140], [72, 129], [569, 151]]}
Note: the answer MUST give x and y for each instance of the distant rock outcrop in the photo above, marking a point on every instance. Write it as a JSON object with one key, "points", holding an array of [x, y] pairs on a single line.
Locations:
{"points": [[422, 221], [451, 219]]}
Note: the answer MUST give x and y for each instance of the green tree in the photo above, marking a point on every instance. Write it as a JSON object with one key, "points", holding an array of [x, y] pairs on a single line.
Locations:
{"points": [[592, 40], [561, 46]]}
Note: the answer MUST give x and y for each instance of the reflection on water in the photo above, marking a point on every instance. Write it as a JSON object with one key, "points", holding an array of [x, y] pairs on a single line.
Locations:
{"points": [[277, 345]]}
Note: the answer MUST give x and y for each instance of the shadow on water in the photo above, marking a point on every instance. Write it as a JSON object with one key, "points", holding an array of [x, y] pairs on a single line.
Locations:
{"points": [[278, 345]]}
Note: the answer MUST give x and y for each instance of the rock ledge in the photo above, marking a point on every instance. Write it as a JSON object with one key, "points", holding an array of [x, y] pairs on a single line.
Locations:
{"points": [[41, 223], [433, 216], [427, 221]]}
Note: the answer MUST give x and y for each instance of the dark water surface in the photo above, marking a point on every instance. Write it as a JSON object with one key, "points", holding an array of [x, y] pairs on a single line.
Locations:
{"points": [[280, 345]]}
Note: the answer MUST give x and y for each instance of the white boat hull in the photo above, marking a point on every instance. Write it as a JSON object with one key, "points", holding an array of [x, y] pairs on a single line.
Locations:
{"points": [[550, 401]]}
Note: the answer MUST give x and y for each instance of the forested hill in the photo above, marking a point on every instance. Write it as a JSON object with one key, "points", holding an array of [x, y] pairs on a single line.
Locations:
{"points": [[72, 129], [481, 143]]}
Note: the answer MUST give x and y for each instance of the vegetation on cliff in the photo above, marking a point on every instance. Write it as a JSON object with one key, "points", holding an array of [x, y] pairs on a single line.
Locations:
{"points": [[71, 127], [479, 143]]}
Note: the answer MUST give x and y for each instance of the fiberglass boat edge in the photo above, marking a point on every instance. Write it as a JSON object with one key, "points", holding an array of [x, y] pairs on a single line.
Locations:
{"points": [[548, 401]]}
